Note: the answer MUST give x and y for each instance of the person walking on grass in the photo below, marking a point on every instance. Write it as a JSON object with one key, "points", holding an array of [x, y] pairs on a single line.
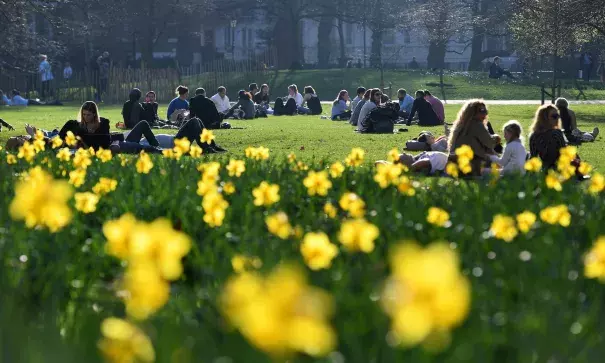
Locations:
{"points": [[178, 103], [426, 114], [340, 110]]}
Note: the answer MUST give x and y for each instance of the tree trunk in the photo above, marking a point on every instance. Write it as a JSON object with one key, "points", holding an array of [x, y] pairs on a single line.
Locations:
{"points": [[436, 57], [376, 52], [343, 52], [323, 41], [477, 55]]}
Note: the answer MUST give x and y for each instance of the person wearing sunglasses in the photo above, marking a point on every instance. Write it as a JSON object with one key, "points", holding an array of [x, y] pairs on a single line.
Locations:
{"points": [[470, 129], [375, 101], [426, 113], [547, 138]]}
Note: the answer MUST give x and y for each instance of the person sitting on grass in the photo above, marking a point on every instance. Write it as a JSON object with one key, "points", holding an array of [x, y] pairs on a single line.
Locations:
{"points": [[405, 103], [357, 111], [191, 130], [429, 162], [253, 90], [469, 129], [91, 128], [221, 100], [426, 114], [547, 138], [373, 102], [436, 104], [244, 108], [361, 91], [150, 106], [133, 111], [298, 99], [262, 97], [515, 155], [180, 102], [203, 108], [17, 100], [339, 107], [570, 125], [496, 72], [312, 101]]}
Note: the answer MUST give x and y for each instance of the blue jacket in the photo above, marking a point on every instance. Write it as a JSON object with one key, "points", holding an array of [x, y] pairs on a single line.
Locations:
{"points": [[176, 104]]}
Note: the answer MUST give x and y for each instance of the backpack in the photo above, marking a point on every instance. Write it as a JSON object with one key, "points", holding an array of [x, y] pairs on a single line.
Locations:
{"points": [[381, 120]]}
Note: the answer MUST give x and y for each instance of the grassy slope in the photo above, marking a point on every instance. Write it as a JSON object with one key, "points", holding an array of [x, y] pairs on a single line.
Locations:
{"points": [[463, 85], [319, 138]]}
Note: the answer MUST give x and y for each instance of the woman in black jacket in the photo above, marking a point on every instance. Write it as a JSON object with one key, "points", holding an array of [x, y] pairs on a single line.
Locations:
{"points": [[92, 129]]}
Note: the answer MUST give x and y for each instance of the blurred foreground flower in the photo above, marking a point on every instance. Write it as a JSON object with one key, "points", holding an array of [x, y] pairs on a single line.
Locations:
{"points": [[70, 139], [259, 153], [144, 163], [504, 227], [241, 263], [387, 174], [266, 194], [207, 136], [214, 206], [438, 217], [426, 296], [123, 342], [525, 221], [352, 203], [280, 313], [465, 156], [82, 159], [77, 177], [105, 186], [330, 210], [336, 170], [556, 215], [553, 181], [358, 235], [104, 155], [317, 251], [317, 183], [41, 201], [594, 262], [597, 183], [236, 168], [27, 151], [533, 165], [86, 202]]}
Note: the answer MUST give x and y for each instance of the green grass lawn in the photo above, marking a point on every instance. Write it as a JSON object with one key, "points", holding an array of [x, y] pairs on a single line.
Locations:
{"points": [[310, 137]]}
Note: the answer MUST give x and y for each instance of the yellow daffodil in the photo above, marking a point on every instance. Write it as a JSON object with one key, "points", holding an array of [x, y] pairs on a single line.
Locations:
{"points": [[597, 183], [594, 262], [70, 139], [556, 215], [387, 174], [356, 157], [405, 186], [229, 188], [266, 194], [336, 170], [11, 159], [438, 217], [259, 153], [41, 201], [182, 145], [241, 263], [64, 154], [291, 158], [146, 290], [317, 183], [585, 168], [279, 225], [393, 155], [330, 210], [27, 151], [553, 181], [525, 221], [86, 202], [214, 209], [81, 159], [57, 142], [124, 342], [236, 167], [195, 151], [452, 170], [105, 186], [144, 163], [77, 177], [533, 165], [352, 203], [104, 155], [504, 228], [317, 251], [358, 235], [207, 136]]}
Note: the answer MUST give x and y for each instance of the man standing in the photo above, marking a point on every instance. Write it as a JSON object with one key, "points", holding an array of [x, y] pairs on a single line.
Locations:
{"points": [[46, 75], [221, 100], [104, 65]]}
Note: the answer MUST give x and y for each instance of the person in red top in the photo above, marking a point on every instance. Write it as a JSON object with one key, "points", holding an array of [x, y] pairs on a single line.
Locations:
{"points": [[436, 104]]}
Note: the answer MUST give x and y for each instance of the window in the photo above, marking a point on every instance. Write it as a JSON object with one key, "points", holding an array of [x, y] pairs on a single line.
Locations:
{"points": [[406, 37]]}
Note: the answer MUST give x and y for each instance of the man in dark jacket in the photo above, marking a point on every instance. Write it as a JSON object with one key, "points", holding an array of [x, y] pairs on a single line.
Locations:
{"points": [[203, 108], [426, 114]]}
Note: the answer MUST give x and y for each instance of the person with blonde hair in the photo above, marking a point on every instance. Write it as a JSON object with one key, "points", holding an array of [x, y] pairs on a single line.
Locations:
{"points": [[470, 129], [546, 138], [570, 126], [515, 155]]}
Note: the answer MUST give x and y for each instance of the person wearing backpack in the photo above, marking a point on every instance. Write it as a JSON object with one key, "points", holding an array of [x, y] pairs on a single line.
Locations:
{"points": [[339, 107], [381, 120]]}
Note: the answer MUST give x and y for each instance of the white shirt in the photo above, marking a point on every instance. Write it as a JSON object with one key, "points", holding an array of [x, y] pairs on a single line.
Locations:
{"points": [[222, 104], [437, 159], [365, 111], [513, 159], [298, 98]]}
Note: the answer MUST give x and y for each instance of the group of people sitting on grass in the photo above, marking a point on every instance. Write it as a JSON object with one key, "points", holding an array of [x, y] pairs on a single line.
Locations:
{"points": [[549, 133], [16, 99]]}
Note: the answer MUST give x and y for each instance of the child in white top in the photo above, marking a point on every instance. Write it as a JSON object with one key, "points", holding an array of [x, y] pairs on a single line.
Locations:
{"points": [[514, 156]]}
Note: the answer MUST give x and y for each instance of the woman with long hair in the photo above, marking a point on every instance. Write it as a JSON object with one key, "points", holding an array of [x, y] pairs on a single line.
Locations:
{"points": [[92, 129], [312, 101], [340, 110], [546, 138], [244, 103], [470, 129], [373, 102]]}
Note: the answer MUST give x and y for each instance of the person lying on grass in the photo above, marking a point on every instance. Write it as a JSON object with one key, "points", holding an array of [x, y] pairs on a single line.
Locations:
{"points": [[515, 155], [429, 162]]}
